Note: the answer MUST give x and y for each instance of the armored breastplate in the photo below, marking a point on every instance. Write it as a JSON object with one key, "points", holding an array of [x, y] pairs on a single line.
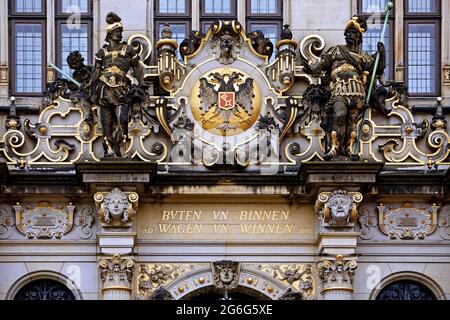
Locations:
{"points": [[115, 67]]}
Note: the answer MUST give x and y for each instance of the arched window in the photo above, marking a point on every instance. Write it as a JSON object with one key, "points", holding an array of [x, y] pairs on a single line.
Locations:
{"points": [[44, 289], [405, 290]]}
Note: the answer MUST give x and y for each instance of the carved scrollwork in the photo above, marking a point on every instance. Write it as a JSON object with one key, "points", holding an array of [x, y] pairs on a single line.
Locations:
{"points": [[84, 220], [368, 221]]}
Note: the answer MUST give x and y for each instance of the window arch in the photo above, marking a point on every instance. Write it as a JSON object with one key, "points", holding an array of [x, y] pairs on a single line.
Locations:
{"points": [[407, 286], [46, 285], [405, 290], [44, 289]]}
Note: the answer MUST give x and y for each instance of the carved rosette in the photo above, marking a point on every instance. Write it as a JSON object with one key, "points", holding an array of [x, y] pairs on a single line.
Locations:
{"points": [[337, 278], [407, 222], [338, 209], [44, 221], [116, 274], [116, 208]]}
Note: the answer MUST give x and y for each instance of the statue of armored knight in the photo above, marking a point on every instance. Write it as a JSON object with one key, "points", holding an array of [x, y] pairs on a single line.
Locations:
{"points": [[111, 86], [347, 71]]}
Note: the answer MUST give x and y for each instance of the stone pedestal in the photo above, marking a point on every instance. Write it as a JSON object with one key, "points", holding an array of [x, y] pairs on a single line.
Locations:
{"points": [[339, 188], [116, 274]]}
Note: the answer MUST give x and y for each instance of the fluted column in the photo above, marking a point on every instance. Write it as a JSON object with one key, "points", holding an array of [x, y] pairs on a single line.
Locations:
{"points": [[337, 278], [116, 274]]}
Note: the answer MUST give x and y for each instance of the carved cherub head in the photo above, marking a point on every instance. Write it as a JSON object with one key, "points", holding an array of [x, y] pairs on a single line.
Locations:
{"points": [[116, 206]]}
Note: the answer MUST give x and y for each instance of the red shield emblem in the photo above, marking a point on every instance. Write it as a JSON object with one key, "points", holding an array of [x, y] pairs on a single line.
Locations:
{"points": [[226, 100]]}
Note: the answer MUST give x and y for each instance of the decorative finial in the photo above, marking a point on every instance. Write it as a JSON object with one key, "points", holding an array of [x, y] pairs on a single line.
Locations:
{"points": [[286, 34], [166, 33]]}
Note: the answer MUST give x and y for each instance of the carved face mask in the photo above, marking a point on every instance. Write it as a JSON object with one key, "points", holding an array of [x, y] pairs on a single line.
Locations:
{"points": [[116, 206], [226, 275], [340, 206]]}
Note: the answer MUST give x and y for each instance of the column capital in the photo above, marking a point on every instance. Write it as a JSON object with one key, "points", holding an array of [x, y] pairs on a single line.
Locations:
{"points": [[337, 277], [116, 274]]}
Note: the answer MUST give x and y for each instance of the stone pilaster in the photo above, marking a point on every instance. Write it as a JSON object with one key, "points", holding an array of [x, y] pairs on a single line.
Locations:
{"points": [[116, 274], [337, 278]]}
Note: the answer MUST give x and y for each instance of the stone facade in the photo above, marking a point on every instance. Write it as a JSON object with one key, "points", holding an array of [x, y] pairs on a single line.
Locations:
{"points": [[156, 226]]}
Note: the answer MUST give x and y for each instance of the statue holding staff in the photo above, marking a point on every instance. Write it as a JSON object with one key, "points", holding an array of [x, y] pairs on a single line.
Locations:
{"points": [[347, 70]]}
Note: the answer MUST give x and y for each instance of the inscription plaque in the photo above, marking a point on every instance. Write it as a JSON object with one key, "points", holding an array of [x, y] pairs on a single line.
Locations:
{"points": [[225, 222]]}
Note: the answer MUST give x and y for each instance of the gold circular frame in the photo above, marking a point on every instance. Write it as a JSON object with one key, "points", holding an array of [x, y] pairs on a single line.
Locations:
{"points": [[239, 118]]}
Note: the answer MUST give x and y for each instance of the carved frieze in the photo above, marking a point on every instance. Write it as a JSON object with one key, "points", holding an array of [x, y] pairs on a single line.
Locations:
{"points": [[337, 274], [44, 221], [407, 222], [338, 209], [116, 208]]}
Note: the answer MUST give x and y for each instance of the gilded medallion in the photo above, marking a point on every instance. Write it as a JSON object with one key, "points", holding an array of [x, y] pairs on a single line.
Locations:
{"points": [[226, 101]]}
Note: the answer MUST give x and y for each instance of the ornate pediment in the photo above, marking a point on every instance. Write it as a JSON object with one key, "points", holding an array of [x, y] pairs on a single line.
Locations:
{"points": [[224, 98]]}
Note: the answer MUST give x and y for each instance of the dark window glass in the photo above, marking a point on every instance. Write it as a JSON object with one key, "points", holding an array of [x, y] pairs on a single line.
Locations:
{"points": [[28, 6], [371, 39], [74, 6], [28, 57], [73, 39], [422, 58], [422, 6], [405, 290], [44, 290], [373, 12], [218, 6], [370, 6], [264, 7], [172, 6]]}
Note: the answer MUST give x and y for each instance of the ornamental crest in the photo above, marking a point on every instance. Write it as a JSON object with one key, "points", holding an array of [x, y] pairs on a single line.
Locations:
{"points": [[407, 222], [44, 221]]}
